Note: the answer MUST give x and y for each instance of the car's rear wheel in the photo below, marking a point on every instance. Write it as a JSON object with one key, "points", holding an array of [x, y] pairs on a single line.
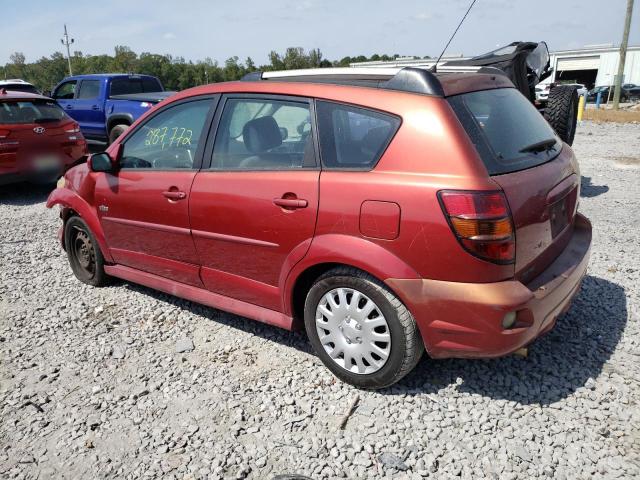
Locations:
{"points": [[360, 330], [116, 131], [84, 254]]}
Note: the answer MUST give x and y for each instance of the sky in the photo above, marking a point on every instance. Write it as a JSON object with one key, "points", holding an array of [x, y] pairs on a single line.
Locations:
{"points": [[196, 29]]}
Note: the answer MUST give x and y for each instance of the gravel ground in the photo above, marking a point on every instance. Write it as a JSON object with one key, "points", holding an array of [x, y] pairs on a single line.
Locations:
{"points": [[125, 382]]}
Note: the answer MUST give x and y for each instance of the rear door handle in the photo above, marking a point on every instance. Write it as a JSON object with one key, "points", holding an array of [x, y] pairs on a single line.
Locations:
{"points": [[174, 195], [290, 203], [95, 107], [69, 107]]}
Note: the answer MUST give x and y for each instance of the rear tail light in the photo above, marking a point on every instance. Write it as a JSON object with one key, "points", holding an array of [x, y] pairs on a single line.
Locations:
{"points": [[74, 129], [481, 222], [4, 133]]}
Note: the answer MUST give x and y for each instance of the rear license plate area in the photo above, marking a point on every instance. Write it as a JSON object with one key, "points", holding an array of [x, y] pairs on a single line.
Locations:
{"points": [[559, 215]]}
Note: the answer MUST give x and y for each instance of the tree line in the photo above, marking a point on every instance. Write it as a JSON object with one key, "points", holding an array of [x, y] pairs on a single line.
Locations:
{"points": [[176, 73]]}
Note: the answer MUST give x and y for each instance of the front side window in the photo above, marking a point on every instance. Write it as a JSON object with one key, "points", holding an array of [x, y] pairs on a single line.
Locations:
{"points": [[256, 134], [352, 137], [168, 140], [89, 89], [65, 91]]}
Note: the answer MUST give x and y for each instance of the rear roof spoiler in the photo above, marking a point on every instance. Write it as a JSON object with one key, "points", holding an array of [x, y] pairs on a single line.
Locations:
{"points": [[403, 79], [408, 79]]}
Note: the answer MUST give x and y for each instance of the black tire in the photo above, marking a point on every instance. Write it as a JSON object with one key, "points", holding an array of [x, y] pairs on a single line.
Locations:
{"points": [[116, 131], [562, 111], [406, 343], [84, 254]]}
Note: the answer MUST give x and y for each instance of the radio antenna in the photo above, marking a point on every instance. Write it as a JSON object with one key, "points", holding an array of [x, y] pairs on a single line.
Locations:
{"points": [[434, 68]]}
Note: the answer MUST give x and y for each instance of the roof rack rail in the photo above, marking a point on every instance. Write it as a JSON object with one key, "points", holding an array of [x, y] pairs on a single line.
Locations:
{"points": [[407, 79]]}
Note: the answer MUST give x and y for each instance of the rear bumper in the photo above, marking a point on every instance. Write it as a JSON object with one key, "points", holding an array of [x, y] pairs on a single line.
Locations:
{"points": [[465, 319]]}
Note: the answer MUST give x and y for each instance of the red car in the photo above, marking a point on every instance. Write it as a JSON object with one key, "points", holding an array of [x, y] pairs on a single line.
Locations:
{"points": [[38, 141], [384, 211]]}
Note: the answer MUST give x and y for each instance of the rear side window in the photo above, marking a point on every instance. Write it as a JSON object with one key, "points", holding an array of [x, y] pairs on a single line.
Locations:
{"points": [[257, 134], [89, 89], [352, 137], [30, 111], [506, 129]]}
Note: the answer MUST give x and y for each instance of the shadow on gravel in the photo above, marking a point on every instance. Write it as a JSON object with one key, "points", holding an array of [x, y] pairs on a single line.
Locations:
{"points": [[559, 363], [22, 194], [587, 189], [297, 340]]}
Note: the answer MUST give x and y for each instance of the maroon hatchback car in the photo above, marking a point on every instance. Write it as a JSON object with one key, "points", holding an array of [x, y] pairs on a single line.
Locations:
{"points": [[38, 141], [386, 211]]}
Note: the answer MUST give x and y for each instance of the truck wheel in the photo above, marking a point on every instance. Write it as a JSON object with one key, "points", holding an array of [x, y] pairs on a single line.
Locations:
{"points": [[360, 330], [116, 131], [562, 111]]}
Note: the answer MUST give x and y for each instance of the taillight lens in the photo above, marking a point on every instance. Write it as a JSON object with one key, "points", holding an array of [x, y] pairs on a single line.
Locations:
{"points": [[481, 222], [75, 128]]}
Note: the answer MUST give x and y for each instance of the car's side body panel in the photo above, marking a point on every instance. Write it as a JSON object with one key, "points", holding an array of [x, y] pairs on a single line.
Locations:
{"points": [[231, 246], [240, 233]]}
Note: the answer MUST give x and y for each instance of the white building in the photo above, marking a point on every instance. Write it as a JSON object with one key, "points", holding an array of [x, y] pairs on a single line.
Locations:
{"points": [[593, 65]]}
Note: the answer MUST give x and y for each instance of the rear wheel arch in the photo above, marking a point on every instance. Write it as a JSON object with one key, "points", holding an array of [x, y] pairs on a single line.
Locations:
{"points": [[306, 279], [119, 120]]}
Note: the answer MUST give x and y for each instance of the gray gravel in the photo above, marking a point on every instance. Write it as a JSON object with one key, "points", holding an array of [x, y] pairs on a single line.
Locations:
{"points": [[125, 382]]}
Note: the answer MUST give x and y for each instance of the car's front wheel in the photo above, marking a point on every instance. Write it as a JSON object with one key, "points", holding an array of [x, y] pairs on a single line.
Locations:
{"points": [[360, 330], [84, 254]]}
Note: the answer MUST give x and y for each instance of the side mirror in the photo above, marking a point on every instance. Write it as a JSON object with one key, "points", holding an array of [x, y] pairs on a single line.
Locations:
{"points": [[100, 162]]}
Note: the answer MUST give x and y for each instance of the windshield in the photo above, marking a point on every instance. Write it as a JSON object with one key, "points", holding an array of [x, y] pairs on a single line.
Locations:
{"points": [[506, 129], [30, 111]]}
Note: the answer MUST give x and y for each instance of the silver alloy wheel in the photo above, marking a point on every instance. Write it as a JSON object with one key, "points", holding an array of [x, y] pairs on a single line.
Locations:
{"points": [[353, 331]]}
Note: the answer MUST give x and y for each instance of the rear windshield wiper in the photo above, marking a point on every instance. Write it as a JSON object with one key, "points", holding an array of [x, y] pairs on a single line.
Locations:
{"points": [[539, 146]]}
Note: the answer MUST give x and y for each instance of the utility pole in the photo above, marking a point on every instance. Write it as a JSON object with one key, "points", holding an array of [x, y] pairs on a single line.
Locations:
{"points": [[623, 55], [66, 41]]}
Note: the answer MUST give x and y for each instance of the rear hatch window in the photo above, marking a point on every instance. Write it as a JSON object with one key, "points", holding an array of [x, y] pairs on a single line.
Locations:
{"points": [[132, 85], [506, 129], [30, 111]]}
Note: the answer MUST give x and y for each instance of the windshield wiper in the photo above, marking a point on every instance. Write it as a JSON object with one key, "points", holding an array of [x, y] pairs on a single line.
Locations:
{"points": [[541, 146]]}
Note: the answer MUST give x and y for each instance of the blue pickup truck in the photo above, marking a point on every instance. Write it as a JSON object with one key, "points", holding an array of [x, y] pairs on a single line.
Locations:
{"points": [[106, 104]]}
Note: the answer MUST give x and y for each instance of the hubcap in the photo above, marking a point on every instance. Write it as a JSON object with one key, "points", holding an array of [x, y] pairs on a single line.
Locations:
{"points": [[353, 330], [84, 250]]}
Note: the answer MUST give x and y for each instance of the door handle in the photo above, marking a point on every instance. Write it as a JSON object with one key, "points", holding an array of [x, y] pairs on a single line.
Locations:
{"points": [[290, 203], [95, 107], [174, 195], [68, 107]]}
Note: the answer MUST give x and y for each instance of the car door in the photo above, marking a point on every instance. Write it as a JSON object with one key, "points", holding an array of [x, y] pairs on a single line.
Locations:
{"points": [[253, 209], [65, 96], [144, 206], [89, 107]]}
